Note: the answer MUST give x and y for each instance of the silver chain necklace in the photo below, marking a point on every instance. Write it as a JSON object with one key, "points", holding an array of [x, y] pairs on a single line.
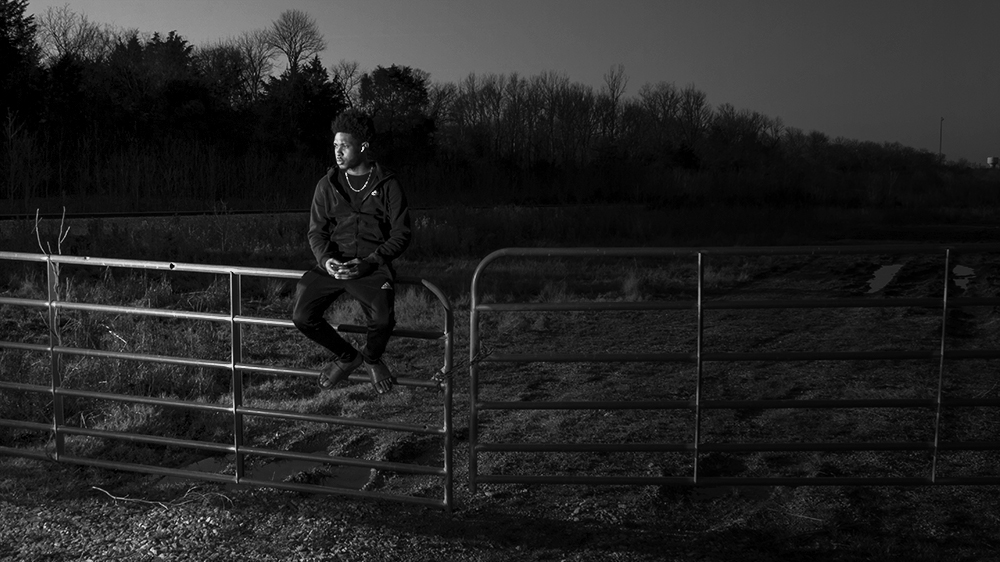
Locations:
{"points": [[348, 176]]}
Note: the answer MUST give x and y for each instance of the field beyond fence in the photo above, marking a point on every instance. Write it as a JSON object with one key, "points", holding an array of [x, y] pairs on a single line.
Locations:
{"points": [[803, 518]]}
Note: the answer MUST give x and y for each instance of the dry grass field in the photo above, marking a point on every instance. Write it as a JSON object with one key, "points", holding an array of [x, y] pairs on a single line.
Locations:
{"points": [[53, 511]]}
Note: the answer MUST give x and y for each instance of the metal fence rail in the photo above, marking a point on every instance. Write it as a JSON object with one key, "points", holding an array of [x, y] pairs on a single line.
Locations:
{"points": [[236, 320], [478, 357]]}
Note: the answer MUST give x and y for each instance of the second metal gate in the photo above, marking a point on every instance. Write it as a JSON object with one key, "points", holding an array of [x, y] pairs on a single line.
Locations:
{"points": [[698, 404]]}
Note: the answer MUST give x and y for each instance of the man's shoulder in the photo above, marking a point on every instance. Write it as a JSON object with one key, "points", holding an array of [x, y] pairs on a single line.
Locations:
{"points": [[387, 181], [384, 172], [328, 178]]}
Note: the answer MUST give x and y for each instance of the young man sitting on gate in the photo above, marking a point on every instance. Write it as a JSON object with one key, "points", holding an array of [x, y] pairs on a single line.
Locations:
{"points": [[358, 224]]}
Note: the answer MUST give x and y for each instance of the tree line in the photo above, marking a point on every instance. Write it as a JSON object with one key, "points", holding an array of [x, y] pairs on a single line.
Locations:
{"points": [[103, 116]]}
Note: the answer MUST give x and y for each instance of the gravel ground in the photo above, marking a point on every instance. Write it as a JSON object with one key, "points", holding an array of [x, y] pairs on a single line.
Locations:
{"points": [[54, 512], [51, 512]]}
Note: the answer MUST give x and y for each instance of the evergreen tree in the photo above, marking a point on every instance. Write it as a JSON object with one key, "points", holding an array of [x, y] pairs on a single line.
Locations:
{"points": [[18, 58], [397, 99], [297, 109]]}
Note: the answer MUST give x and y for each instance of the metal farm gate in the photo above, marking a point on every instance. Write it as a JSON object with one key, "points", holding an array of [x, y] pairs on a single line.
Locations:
{"points": [[237, 367], [492, 411], [697, 447]]}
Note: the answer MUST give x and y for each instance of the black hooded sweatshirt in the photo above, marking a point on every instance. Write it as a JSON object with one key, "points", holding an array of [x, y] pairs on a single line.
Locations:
{"points": [[373, 225]]}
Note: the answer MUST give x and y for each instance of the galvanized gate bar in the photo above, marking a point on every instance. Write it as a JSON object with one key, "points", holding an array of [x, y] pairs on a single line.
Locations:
{"points": [[698, 404], [236, 366], [926, 302]]}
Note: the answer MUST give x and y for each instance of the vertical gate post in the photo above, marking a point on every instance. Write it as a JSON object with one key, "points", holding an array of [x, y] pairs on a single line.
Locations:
{"points": [[474, 345], [699, 365], [236, 355], [940, 389], [55, 360], [449, 429]]}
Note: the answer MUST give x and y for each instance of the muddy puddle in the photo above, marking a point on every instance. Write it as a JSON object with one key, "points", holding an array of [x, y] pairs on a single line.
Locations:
{"points": [[961, 276], [883, 277]]}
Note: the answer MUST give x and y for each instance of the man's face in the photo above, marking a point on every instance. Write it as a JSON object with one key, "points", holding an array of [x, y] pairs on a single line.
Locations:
{"points": [[347, 150]]}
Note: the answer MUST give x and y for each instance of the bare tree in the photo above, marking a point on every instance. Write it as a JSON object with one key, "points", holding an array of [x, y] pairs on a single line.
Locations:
{"points": [[550, 85], [63, 32], [258, 59], [348, 74], [575, 114], [221, 65], [296, 36], [615, 81], [653, 119], [695, 115], [441, 98], [525, 116], [493, 107], [773, 131], [661, 101]]}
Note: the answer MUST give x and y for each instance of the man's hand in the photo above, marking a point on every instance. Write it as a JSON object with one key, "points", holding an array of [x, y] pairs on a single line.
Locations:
{"points": [[334, 267], [349, 270]]}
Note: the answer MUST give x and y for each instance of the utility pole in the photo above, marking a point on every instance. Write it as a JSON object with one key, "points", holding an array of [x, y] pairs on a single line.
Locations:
{"points": [[940, 139]]}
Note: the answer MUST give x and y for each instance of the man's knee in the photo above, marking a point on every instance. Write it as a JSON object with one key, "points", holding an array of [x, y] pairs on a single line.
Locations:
{"points": [[305, 317], [382, 323], [301, 320]]}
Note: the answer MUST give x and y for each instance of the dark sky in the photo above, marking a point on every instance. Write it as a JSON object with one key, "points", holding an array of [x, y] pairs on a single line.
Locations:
{"points": [[879, 70]]}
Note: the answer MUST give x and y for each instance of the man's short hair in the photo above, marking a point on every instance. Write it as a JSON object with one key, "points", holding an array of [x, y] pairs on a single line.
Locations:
{"points": [[356, 123]]}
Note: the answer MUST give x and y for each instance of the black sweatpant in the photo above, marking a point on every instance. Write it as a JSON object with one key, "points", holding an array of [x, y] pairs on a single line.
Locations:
{"points": [[317, 290]]}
